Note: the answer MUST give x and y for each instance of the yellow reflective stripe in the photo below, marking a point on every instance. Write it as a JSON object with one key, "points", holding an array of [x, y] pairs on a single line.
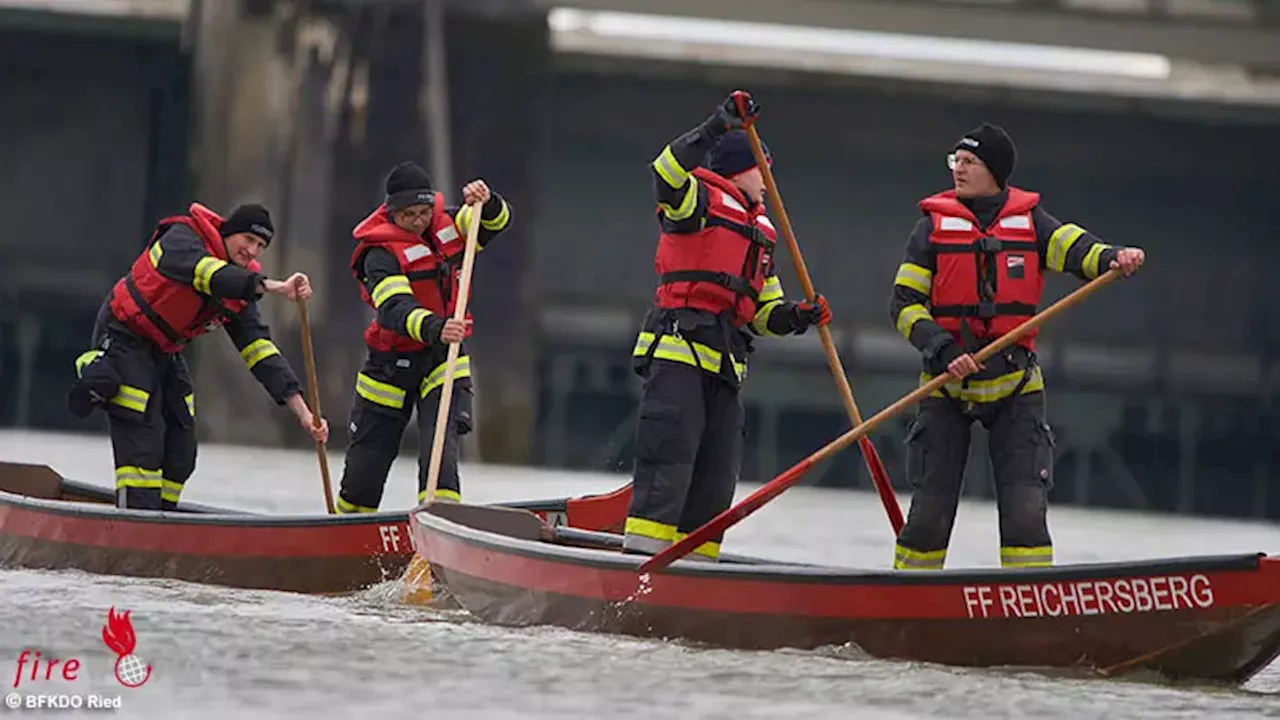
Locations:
{"points": [[650, 529], [761, 321], [911, 315], [257, 351], [669, 169], [413, 323], [154, 253], [904, 558], [1024, 557], [441, 494], [772, 289], [688, 204], [1060, 241], [86, 358], [1089, 266], [191, 404], [916, 277], [708, 549], [683, 351], [499, 222], [132, 476], [380, 393], [985, 391], [170, 490], [462, 369], [345, 508], [390, 285], [205, 268], [132, 398], [463, 218]]}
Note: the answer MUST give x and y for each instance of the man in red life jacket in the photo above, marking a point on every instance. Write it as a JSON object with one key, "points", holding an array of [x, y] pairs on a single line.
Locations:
{"points": [[408, 258], [716, 284], [973, 270], [198, 273]]}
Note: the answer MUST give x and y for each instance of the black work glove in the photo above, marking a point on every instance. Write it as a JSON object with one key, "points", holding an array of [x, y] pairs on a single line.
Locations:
{"points": [[729, 116], [812, 313]]}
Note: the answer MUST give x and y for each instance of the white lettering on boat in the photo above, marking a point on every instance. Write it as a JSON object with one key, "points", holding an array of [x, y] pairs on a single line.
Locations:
{"points": [[1089, 597], [390, 537]]}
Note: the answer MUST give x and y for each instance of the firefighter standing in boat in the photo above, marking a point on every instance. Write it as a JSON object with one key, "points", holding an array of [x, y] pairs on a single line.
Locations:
{"points": [[407, 259], [198, 273], [974, 270], [716, 283]]}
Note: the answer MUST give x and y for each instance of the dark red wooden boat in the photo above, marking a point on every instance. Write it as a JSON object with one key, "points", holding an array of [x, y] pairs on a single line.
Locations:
{"points": [[50, 522], [1212, 619]]}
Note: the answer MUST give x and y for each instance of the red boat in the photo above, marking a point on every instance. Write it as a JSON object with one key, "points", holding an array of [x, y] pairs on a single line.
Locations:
{"points": [[50, 522], [1207, 619]]}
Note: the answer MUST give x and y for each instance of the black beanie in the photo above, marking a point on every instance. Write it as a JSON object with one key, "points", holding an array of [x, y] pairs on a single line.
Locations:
{"points": [[408, 184], [994, 147], [251, 218], [732, 154]]}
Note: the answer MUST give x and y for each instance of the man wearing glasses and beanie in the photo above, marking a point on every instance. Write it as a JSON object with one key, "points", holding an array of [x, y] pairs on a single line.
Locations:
{"points": [[973, 270]]}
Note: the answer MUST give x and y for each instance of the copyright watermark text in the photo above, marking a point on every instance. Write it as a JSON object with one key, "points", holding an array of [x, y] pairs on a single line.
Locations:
{"points": [[61, 701]]}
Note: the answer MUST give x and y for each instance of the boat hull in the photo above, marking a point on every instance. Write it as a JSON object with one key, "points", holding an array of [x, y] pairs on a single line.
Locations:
{"points": [[48, 522], [1213, 619]]}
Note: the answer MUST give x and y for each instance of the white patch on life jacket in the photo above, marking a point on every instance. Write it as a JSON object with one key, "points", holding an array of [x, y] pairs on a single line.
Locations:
{"points": [[1014, 261], [955, 223], [447, 234], [1016, 222], [731, 203], [416, 252], [765, 221]]}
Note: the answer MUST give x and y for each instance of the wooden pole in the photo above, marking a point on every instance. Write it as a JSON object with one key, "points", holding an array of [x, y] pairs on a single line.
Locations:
{"points": [[446, 392]]}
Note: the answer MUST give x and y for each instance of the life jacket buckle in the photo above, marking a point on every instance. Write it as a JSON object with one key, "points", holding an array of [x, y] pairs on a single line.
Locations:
{"points": [[990, 244], [986, 309]]}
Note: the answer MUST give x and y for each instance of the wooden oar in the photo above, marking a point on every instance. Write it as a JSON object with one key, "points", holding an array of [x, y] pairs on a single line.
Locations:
{"points": [[446, 392], [879, 476], [775, 487], [313, 389]]}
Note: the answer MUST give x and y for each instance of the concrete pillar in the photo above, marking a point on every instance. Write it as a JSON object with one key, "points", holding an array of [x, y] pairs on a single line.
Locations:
{"points": [[252, 63], [499, 69]]}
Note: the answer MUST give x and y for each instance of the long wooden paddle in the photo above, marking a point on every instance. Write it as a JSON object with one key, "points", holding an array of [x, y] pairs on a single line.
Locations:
{"points": [[775, 487], [313, 389], [446, 392], [879, 476]]}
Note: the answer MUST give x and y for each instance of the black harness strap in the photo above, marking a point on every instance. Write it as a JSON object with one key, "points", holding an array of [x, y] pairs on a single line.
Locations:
{"points": [[737, 284], [149, 312]]}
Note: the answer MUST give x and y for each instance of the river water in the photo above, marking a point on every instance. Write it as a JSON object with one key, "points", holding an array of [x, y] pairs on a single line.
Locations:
{"points": [[225, 654]]}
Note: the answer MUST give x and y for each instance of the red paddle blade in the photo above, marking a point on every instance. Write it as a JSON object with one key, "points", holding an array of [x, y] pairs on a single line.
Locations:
{"points": [[880, 476], [605, 513], [728, 518]]}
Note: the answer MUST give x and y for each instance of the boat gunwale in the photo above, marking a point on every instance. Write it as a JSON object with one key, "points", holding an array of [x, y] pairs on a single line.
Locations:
{"points": [[803, 573], [99, 511]]}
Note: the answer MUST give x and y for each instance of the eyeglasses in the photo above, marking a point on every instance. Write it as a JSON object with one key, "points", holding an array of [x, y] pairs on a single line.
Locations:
{"points": [[409, 215], [954, 161]]}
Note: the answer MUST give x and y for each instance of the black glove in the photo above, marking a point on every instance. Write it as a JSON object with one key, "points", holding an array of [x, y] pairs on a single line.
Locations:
{"points": [[812, 313], [940, 353], [729, 116]]}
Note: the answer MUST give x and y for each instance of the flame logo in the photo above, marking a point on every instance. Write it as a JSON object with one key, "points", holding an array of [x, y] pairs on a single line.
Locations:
{"points": [[119, 636]]}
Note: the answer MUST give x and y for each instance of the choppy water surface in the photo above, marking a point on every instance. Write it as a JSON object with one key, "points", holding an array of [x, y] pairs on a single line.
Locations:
{"points": [[221, 653]]}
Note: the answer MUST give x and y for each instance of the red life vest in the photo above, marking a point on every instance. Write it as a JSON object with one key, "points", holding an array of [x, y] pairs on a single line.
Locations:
{"points": [[722, 266], [987, 280], [432, 263], [166, 312]]}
